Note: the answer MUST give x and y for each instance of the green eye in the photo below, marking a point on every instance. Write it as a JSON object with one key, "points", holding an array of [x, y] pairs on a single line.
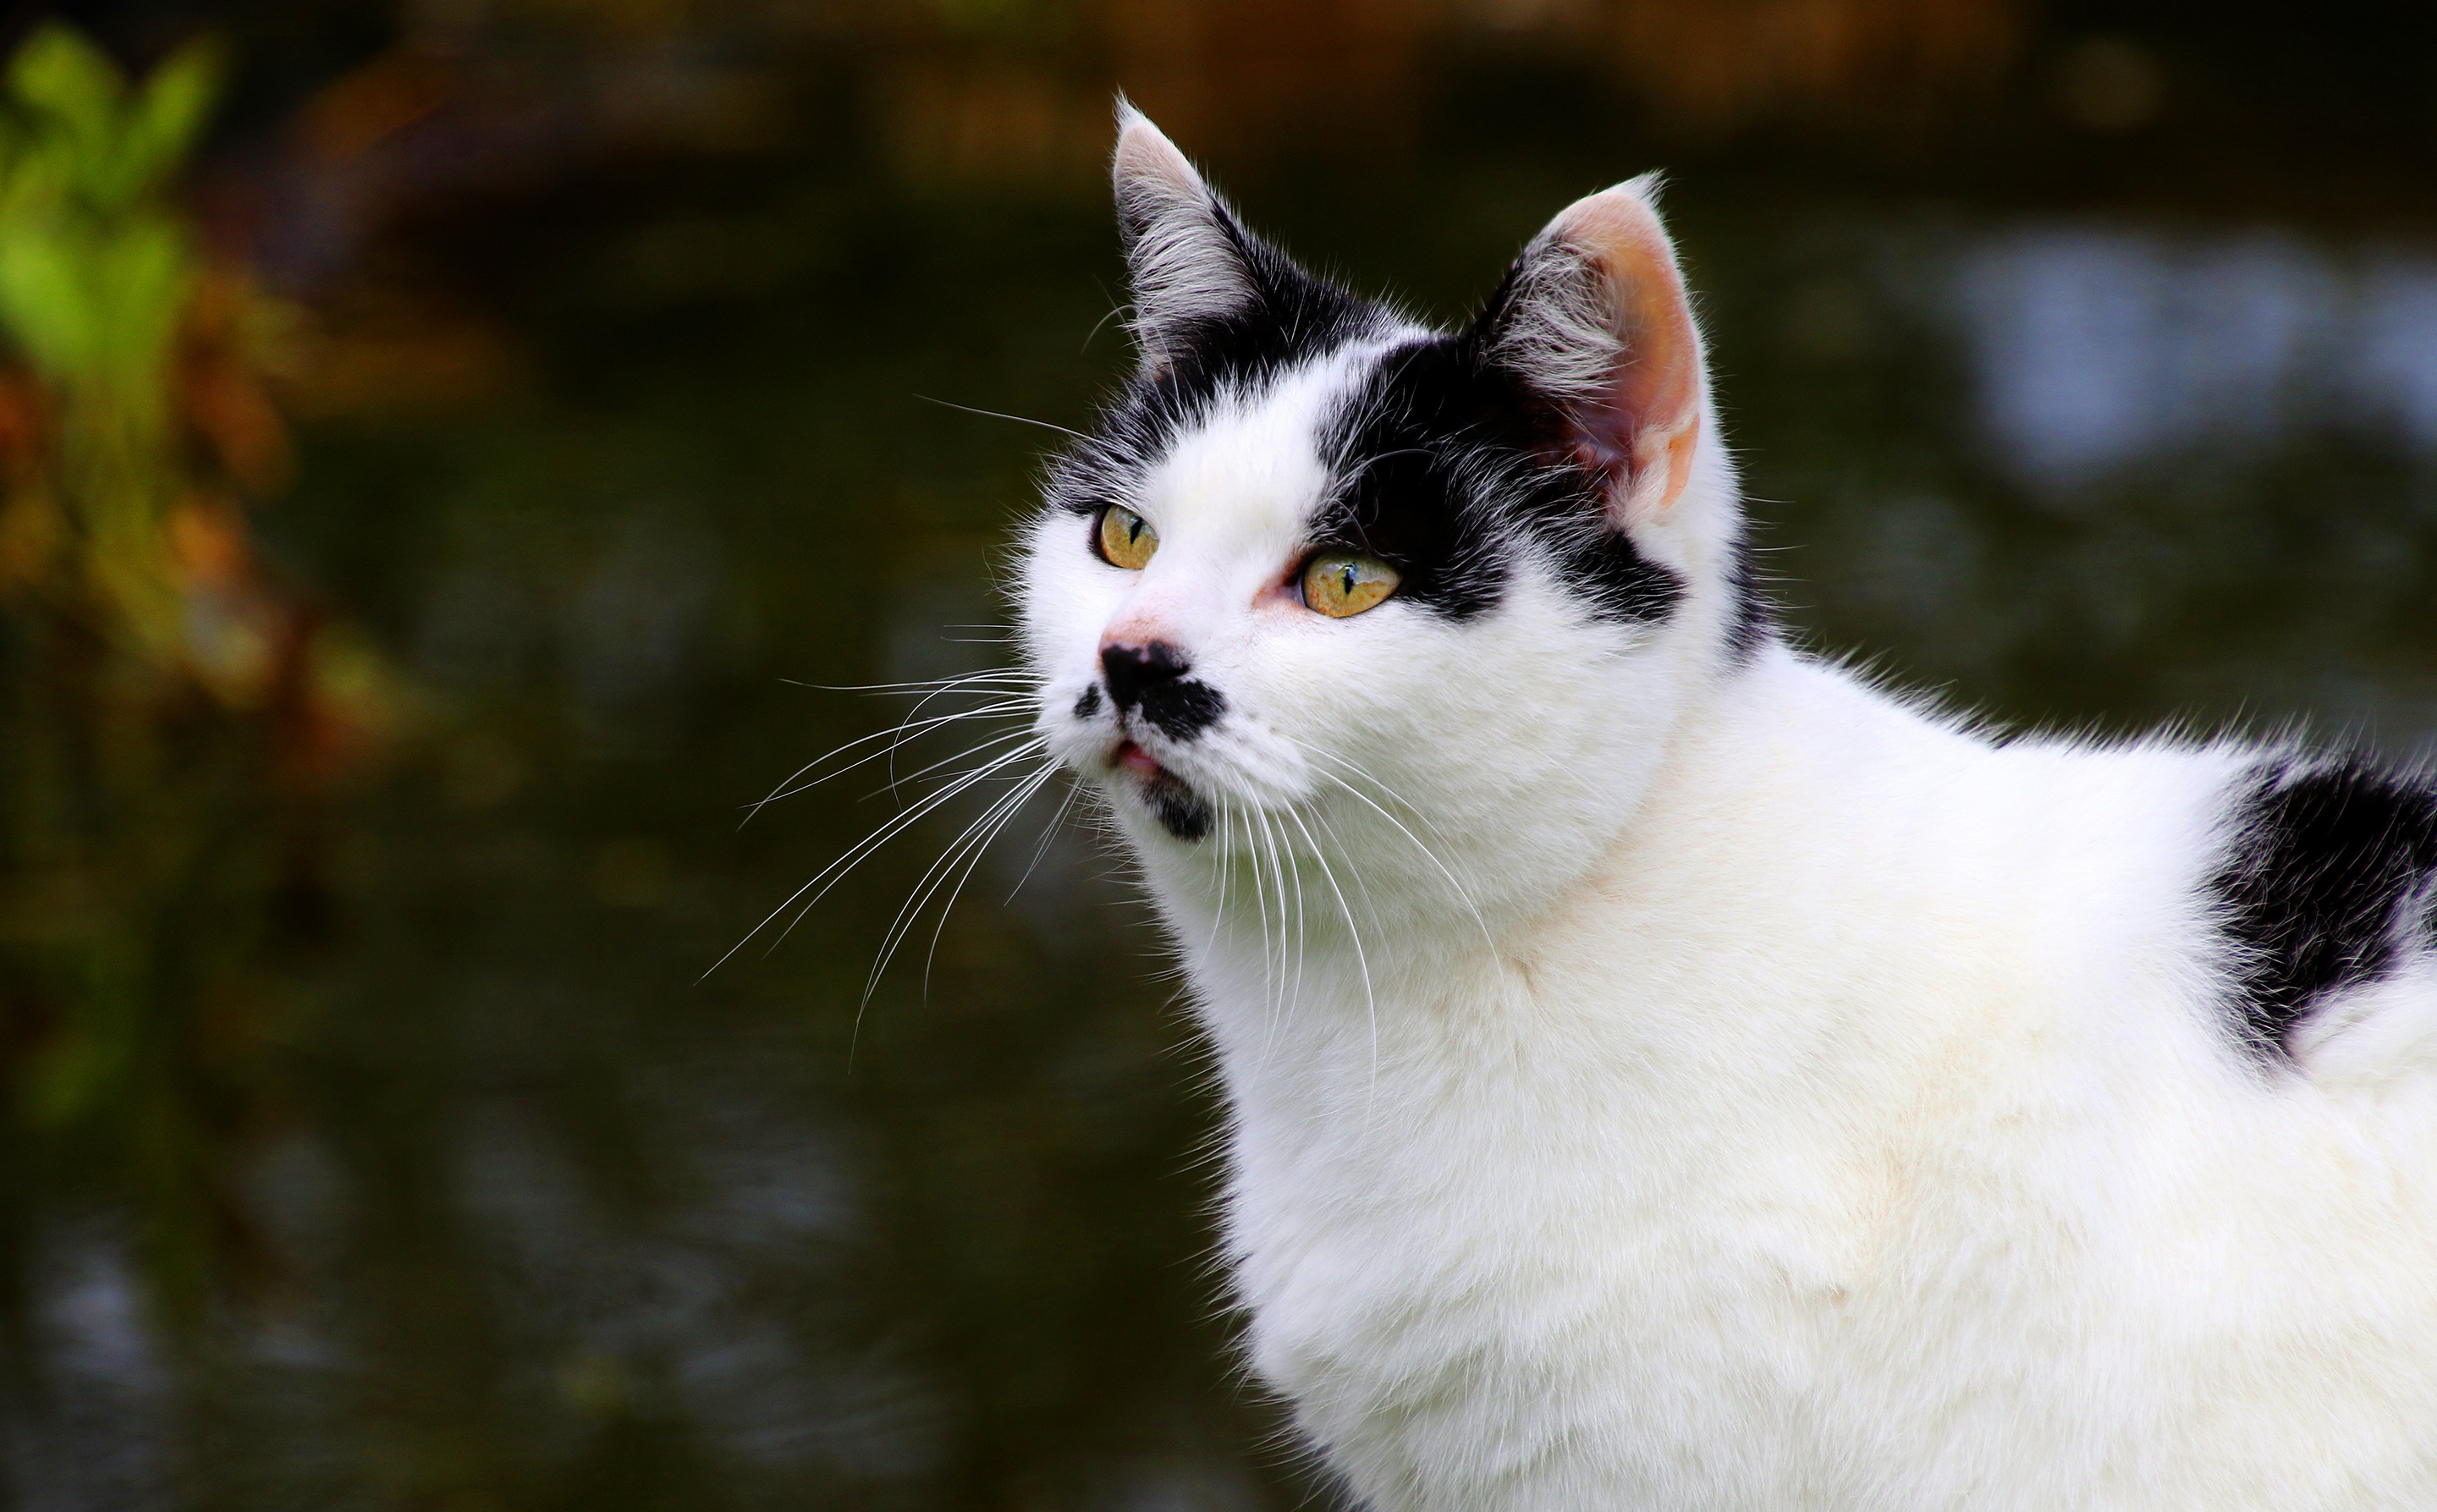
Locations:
{"points": [[1126, 538], [1340, 585]]}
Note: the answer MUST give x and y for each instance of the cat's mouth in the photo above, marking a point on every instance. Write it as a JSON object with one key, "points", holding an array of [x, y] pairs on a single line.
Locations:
{"points": [[1134, 759], [1179, 809]]}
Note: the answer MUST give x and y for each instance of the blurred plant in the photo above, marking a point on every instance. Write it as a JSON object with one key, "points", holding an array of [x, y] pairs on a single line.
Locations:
{"points": [[169, 722]]}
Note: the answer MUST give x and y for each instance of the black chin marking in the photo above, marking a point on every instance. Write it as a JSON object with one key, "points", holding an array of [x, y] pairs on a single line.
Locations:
{"points": [[1184, 709], [1178, 808], [1089, 704]]}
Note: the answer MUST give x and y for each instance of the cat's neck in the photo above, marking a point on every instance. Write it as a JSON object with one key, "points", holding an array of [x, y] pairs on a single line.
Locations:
{"points": [[1798, 822]]}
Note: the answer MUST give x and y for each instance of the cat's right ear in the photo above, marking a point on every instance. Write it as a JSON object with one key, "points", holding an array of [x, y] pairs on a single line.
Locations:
{"points": [[1594, 319], [1184, 254]]}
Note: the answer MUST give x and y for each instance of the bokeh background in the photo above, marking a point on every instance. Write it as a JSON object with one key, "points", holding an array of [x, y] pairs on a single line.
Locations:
{"points": [[449, 450]]}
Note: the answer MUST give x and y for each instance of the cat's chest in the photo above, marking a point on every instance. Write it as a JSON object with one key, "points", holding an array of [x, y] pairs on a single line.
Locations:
{"points": [[1520, 1264]]}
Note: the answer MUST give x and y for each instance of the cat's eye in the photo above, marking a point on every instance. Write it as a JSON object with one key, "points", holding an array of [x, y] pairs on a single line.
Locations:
{"points": [[1126, 538], [1339, 584]]}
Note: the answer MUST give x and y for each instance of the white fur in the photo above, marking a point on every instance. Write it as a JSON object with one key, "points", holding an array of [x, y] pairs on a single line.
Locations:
{"points": [[1181, 269], [1657, 1081]]}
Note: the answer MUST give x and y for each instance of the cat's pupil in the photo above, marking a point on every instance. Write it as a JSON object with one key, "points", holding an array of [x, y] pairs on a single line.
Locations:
{"points": [[1348, 585]]}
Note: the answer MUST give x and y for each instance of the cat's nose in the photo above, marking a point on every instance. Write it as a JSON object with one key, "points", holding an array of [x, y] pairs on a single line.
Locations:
{"points": [[1134, 669]]}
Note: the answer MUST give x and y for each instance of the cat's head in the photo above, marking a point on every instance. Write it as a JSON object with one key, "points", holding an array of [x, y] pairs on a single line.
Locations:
{"points": [[1354, 582]]}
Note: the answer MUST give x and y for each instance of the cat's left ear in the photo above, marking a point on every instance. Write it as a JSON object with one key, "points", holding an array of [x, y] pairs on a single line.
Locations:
{"points": [[1593, 321], [1188, 261]]}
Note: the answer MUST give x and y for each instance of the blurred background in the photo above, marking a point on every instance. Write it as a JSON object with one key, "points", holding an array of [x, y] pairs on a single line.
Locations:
{"points": [[447, 448]]}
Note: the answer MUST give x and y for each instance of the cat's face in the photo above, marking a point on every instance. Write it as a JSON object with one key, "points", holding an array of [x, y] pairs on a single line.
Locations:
{"points": [[1328, 580]]}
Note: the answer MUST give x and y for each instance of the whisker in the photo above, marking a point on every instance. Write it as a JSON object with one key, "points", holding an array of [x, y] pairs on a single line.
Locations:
{"points": [[925, 884], [1269, 1005], [989, 674], [1354, 932], [895, 781], [829, 876], [998, 416], [1260, 897], [910, 912], [910, 730], [1301, 941], [1226, 857], [1013, 807], [1462, 894], [1048, 832]]}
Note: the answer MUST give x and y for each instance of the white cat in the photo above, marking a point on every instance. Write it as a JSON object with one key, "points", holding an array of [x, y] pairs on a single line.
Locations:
{"points": [[1666, 1071]]}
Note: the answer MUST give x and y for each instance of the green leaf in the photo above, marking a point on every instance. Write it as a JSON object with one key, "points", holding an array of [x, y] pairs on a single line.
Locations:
{"points": [[64, 82], [44, 302], [165, 119]]}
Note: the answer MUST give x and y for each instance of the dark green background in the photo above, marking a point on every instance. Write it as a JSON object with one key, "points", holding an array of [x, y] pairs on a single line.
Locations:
{"points": [[564, 1222]]}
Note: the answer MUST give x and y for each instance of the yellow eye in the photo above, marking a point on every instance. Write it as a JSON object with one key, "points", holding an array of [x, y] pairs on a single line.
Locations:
{"points": [[1338, 586], [1126, 538]]}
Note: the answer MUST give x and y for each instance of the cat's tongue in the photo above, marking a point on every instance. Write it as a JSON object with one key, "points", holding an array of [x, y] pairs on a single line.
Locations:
{"points": [[1133, 758]]}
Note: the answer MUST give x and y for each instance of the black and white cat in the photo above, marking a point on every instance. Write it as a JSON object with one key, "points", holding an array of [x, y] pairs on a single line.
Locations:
{"points": [[1666, 1071]]}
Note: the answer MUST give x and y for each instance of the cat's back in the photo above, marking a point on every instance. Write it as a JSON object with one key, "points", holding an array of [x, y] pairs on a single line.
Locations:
{"points": [[1921, 1076]]}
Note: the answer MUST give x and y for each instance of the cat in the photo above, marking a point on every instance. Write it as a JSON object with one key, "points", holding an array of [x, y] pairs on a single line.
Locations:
{"points": [[1664, 1069]]}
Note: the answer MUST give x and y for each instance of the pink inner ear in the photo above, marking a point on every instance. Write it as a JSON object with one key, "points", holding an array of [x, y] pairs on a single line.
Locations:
{"points": [[1646, 427]]}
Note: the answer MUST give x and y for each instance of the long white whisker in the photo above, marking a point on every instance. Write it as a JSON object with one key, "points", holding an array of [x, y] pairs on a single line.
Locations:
{"points": [[1002, 738], [1294, 857], [830, 875], [1463, 894], [1260, 894], [1008, 676], [911, 911], [1226, 872], [1009, 807], [1273, 993], [910, 730], [928, 882], [995, 415], [1048, 832], [1279, 848], [1354, 932]]}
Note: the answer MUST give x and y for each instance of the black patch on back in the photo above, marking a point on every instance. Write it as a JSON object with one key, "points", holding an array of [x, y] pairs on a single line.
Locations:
{"points": [[1183, 708], [1752, 619], [1445, 459], [2327, 858]]}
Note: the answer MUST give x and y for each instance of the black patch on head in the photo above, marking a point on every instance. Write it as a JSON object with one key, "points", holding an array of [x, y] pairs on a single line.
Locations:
{"points": [[1178, 808], [1445, 459], [1089, 704], [1291, 318], [2328, 875], [1183, 709]]}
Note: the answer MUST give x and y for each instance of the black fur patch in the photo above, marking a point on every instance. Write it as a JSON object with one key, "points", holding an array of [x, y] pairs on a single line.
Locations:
{"points": [[1179, 809], [1183, 709], [1089, 704], [1752, 622], [2328, 859], [1444, 458], [1291, 318]]}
